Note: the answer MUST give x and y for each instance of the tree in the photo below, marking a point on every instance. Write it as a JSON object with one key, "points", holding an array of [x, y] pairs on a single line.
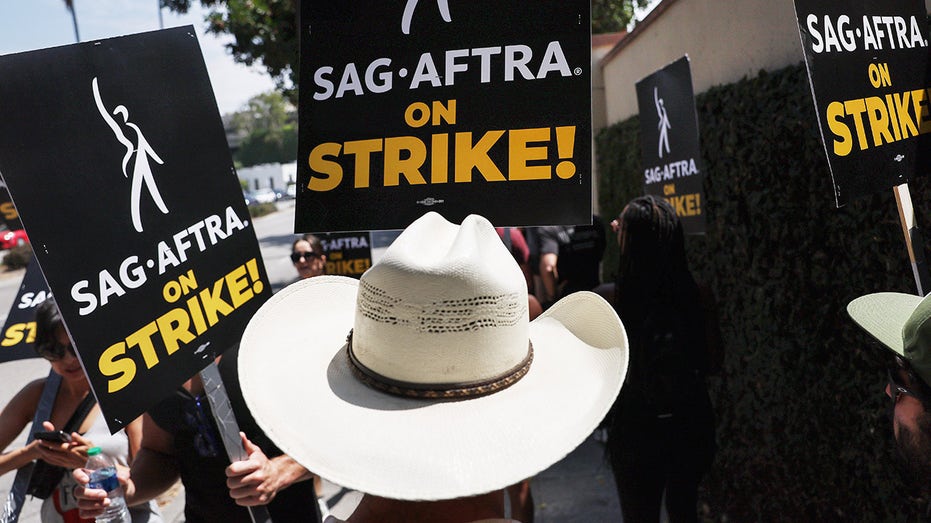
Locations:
{"points": [[611, 16], [263, 31], [268, 124], [266, 30]]}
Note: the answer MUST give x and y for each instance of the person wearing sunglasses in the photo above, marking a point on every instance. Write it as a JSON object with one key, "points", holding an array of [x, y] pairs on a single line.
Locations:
{"points": [[902, 323], [308, 256], [69, 408]]}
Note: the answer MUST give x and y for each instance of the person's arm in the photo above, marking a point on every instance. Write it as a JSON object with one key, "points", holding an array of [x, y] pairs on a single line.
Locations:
{"points": [[17, 414], [257, 479], [154, 470], [549, 276], [154, 466]]}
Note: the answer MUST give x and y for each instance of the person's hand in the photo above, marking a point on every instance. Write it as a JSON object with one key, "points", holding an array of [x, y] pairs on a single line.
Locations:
{"points": [[69, 455], [93, 501], [255, 480]]}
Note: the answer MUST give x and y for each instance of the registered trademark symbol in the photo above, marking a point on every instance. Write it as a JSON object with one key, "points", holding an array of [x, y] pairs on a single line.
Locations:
{"points": [[577, 71]]}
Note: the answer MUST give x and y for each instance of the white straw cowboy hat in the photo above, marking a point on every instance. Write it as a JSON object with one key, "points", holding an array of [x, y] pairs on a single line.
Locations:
{"points": [[444, 389]]}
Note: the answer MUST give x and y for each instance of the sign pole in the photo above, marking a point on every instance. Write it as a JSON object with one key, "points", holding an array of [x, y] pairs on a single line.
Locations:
{"points": [[229, 429], [913, 239]]}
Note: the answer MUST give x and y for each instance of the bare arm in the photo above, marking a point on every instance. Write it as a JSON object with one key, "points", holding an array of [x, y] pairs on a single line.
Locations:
{"points": [[549, 276], [15, 416], [154, 467]]}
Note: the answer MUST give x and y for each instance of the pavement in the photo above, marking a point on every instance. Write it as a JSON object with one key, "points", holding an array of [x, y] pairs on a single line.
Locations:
{"points": [[578, 489]]}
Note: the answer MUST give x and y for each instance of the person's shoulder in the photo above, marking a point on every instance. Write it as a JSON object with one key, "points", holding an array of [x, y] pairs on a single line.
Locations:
{"points": [[25, 402], [32, 391]]}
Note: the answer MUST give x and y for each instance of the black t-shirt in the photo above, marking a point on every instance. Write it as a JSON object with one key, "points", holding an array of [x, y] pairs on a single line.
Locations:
{"points": [[579, 251], [196, 437], [580, 257]]}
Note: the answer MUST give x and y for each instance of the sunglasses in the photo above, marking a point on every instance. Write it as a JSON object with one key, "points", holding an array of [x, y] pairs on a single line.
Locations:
{"points": [[898, 387], [54, 351], [205, 441], [309, 255]]}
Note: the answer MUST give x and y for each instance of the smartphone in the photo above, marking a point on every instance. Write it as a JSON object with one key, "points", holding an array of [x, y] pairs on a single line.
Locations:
{"points": [[57, 436]]}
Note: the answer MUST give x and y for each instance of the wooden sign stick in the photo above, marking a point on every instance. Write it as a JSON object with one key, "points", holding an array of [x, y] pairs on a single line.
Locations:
{"points": [[913, 239]]}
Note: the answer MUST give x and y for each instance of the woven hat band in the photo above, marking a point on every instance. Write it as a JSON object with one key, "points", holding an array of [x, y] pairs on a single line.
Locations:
{"points": [[437, 390]]}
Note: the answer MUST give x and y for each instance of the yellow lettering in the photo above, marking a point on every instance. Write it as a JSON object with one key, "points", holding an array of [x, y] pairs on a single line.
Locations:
{"points": [[856, 108], [521, 153], [143, 338], [173, 327], [362, 150], [439, 158], [321, 165], [444, 113], [214, 304], [14, 334], [835, 115], [9, 211], [238, 285], [470, 157], [404, 155], [111, 364], [920, 102], [197, 315], [879, 120], [901, 104]]}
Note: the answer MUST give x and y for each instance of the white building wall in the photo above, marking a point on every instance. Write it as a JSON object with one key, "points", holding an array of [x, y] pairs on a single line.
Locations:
{"points": [[726, 40], [271, 175]]}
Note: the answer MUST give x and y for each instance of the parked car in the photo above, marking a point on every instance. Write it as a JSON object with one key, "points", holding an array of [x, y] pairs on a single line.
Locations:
{"points": [[15, 238], [250, 198], [267, 195]]}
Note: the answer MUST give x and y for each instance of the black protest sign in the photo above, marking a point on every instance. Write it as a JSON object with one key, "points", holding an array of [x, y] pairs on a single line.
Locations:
{"points": [[669, 145], [347, 253], [19, 330], [116, 158], [868, 66], [457, 107]]}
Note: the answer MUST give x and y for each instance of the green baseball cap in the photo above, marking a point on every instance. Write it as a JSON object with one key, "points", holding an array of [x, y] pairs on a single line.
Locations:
{"points": [[901, 322]]}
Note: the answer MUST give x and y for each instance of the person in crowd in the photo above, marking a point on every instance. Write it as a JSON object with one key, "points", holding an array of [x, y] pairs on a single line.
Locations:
{"points": [[661, 435], [447, 396], [516, 244], [549, 240], [308, 256], [90, 428], [570, 258], [902, 323], [181, 441]]}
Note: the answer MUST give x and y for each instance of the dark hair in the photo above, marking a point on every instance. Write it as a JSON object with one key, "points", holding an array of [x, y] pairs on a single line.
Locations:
{"points": [[314, 242], [48, 319], [652, 267]]}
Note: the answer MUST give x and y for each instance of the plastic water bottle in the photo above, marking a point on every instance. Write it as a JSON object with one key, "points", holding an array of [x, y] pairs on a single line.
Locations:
{"points": [[102, 470]]}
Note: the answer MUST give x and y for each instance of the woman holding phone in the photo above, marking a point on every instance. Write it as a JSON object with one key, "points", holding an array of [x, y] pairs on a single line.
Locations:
{"points": [[67, 450]]}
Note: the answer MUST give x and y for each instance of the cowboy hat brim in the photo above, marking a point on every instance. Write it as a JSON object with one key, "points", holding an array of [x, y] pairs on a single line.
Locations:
{"points": [[298, 386]]}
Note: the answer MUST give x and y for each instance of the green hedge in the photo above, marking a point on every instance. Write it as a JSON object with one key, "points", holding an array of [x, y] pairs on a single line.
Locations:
{"points": [[802, 423]]}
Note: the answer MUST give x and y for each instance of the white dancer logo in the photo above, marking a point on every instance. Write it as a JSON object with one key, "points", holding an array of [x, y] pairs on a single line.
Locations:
{"points": [[663, 122], [142, 171], [409, 13]]}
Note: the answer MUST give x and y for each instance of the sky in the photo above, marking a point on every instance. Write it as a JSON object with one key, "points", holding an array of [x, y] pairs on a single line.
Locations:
{"points": [[26, 25]]}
